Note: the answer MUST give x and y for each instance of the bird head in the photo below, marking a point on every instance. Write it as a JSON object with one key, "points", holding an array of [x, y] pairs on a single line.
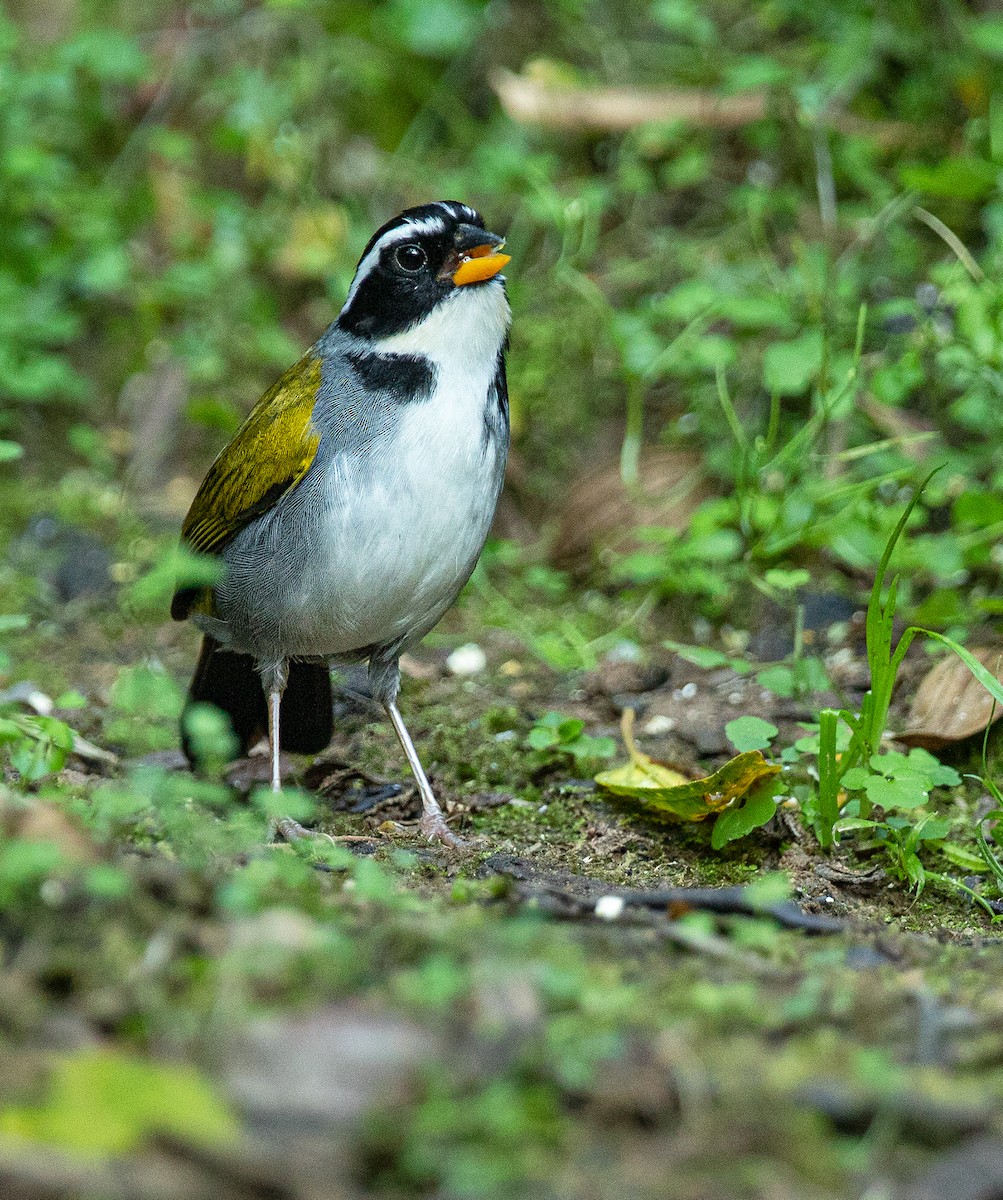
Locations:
{"points": [[427, 258]]}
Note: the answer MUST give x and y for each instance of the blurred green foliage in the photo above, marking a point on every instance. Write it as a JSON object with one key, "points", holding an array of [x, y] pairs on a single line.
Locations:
{"points": [[807, 299], [106, 1102]]}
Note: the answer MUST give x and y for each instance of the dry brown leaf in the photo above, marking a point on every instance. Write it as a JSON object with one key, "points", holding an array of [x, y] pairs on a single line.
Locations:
{"points": [[601, 514], [34, 820], [951, 704]]}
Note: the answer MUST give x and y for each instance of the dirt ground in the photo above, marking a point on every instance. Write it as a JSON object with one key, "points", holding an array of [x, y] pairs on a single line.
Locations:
{"points": [[583, 1002]]}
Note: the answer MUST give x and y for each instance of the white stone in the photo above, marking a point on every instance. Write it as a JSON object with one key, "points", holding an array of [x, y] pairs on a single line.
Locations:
{"points": [[609, 908], [467, 660]]}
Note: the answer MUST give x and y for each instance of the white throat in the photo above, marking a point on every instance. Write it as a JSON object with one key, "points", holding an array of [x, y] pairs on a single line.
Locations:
{"points": [[464, 331]]}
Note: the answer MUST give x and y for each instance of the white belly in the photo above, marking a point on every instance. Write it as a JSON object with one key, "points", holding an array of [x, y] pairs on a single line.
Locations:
{"points": [[394, 545]]}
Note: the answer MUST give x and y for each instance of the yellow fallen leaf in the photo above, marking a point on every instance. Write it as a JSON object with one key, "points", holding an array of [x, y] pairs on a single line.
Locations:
{"points": [[668, 792]]}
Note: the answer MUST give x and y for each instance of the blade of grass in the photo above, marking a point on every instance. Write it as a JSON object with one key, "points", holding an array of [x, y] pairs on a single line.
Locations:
{"points": [[958, 886], [829, 776], [989, 857]]}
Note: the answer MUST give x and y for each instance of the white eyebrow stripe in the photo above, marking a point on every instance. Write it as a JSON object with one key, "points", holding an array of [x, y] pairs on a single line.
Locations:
{"points": [[401, 234], [425, 225]]}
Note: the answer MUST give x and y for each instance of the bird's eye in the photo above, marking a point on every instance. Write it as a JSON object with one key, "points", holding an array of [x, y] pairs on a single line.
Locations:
{"points": [[410, 258]]}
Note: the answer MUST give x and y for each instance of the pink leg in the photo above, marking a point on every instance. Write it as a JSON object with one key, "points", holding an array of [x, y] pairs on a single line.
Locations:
{"points": [[433, 824]]}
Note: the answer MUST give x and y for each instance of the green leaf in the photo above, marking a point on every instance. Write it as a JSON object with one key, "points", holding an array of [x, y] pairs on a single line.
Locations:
{"points": [[895, 793], [570, 728], [107, 54], [975, 509], [849, 824], [438, 28], [778, 679], [914, 869], [986, 34], [939, 774], [768, 889], [789, 367], [585, 747], [809, 675], [933, 829], [43, 747], [956, 177], [142, 691], [148, 703], [105, 1102], [210, 734], [290, 802], [25, 863], [750, 733], [177, 567], [786, 581], [542, 738], [756, 808], [107, 882], [918, 765], [964, 858], [10, 451], [684, 19], [700, 656]]}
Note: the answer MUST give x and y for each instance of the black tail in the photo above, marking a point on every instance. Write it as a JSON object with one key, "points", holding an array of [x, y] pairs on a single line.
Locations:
{"points": [[231, 682]]}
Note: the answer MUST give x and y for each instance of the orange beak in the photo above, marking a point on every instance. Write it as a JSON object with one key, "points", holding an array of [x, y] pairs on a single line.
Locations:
{"points": [[479, 264]]}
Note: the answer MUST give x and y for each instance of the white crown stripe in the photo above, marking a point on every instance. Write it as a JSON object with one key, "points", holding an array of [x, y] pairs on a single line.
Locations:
{"points": [[458, 210]]}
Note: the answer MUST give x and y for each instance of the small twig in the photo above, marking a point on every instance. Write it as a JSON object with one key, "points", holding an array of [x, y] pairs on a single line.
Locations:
{"points": [[678, 901], [617, 109], [732, 900], [533, 102]]}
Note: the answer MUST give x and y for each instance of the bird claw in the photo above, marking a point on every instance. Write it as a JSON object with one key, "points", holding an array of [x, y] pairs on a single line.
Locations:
{"points": [[292, 831], [433, 828]]}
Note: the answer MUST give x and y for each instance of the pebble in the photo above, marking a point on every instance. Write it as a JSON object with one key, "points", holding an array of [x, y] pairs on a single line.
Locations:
{"points": [[609, 908], [625, 652], [467, 660]]}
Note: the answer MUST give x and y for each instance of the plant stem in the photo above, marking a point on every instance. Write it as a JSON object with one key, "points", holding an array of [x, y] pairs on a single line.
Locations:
{"points": [[829, 775]]}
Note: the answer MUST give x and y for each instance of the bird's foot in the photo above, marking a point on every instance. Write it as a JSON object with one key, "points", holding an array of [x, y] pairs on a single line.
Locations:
{"points": [[433, 828], [292, 831]]}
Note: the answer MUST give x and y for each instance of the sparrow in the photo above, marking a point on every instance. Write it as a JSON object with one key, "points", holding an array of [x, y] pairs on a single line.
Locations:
{"points": [[352, 505]]}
